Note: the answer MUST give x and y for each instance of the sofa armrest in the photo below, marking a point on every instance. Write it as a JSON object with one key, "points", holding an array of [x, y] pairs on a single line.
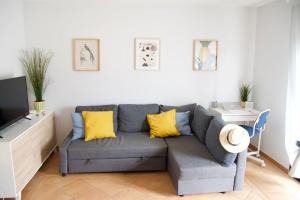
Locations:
{"points": [[63, 154], [240, 162]]}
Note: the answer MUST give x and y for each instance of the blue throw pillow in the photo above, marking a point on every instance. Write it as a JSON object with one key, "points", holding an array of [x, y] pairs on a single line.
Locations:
{"points": [[78, 126], [183, 123]]}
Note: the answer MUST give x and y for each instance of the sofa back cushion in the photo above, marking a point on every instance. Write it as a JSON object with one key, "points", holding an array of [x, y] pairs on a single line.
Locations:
{"points": [[201, 122], [111, 107], [213, 144], [184, 108], [133, 117]]}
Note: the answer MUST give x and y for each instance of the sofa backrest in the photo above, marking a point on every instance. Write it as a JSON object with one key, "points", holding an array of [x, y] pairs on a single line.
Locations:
{"points": [[111, 107], [213, 143], [200, 122], [133, 117]]}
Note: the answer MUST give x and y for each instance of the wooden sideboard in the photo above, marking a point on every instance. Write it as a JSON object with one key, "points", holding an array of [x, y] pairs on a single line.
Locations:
{"points": [[23, 149]]}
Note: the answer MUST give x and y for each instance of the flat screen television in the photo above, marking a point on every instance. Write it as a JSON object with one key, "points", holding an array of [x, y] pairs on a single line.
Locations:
{"points": [[13, 100]]}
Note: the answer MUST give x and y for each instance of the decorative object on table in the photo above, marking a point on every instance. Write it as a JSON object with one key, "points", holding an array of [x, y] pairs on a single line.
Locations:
{"points": [[234, 138], [86, 54], [256, 131], [35, 63], [249, 105], [205, 55], [245, 90], [147, 54], [214, 104]]}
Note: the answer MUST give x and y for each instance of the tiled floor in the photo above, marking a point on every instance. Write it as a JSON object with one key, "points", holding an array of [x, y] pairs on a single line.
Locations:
{"points": [[260, 183]]}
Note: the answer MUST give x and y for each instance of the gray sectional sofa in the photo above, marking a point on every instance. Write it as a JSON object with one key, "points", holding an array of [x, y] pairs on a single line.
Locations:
{"points": [[197, 164]]}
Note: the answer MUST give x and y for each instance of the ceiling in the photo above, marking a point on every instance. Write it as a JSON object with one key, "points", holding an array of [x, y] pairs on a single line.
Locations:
{"points": [[251, 3]]}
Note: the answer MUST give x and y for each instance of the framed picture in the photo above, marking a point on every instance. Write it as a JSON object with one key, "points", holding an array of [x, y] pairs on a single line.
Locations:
{"points": [[147, 54], [86, 54], [205, 56]]}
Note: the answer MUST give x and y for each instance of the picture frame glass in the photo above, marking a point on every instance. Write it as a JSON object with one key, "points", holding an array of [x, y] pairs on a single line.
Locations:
{"points": [[205, 55], [86, 54], [147, 54]]}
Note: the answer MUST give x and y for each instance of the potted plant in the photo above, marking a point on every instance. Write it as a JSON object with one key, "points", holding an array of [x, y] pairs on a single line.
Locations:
{"points": [[35, 63], [245, 90]]}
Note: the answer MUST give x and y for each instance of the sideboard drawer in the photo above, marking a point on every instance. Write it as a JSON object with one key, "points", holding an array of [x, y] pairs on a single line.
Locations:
{"points": [[21, 149], [24, 171], [44, 143], [21, 143], [43, 130]]}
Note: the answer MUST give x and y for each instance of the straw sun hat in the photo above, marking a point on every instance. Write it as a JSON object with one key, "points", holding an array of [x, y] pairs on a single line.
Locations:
{"points": [[234, 138]]}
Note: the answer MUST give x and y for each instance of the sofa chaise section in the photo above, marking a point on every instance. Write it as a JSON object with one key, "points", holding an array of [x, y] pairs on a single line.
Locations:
{"points": [[193, 169]]}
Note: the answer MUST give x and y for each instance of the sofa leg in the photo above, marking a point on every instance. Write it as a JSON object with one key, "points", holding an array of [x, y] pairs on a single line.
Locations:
{"points": [[63, 174], [181, 195], [223, 192]]}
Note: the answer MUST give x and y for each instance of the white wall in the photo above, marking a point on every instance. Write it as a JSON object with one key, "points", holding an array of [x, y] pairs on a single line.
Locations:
{"points": [[53, 25], [11, 37], [270, 74]]}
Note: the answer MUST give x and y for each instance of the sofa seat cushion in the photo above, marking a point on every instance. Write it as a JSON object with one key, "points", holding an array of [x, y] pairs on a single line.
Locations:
{"points": [[123, 146], [191, 160]]}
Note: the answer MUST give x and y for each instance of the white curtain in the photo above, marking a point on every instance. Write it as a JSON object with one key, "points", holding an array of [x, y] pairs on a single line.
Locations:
{"points": [[293, 95]]}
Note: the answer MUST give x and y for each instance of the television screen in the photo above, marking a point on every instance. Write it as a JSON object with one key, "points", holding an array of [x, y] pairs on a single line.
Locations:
{"points": [[13, 100]]}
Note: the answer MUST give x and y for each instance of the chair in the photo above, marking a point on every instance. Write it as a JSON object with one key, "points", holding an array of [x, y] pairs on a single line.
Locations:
{"points": [[256, 131]]}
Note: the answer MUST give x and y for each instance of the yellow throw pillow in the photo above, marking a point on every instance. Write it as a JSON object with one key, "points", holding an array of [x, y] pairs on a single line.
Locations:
{"points": [[98, 125], [163, 124]]}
